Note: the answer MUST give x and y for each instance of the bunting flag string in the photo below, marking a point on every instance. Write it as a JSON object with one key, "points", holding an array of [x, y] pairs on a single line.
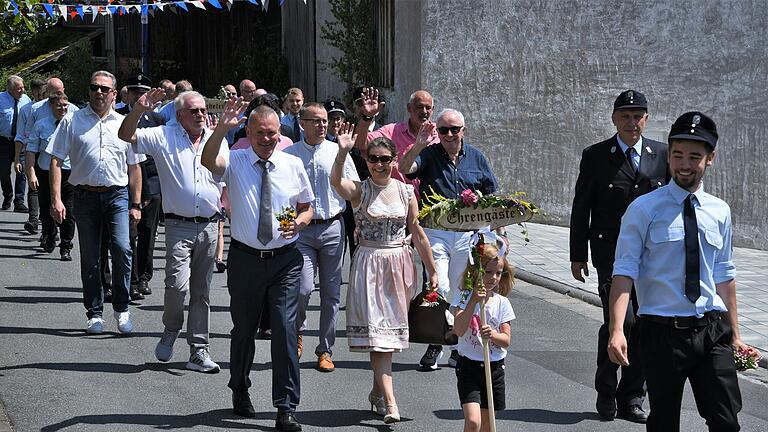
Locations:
{"points": [[72, 10]]}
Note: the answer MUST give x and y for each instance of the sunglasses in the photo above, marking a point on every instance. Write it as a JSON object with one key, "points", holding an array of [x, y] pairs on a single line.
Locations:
{"points": [[383, 159], [454, 129], [195, 111], [96, 87]]}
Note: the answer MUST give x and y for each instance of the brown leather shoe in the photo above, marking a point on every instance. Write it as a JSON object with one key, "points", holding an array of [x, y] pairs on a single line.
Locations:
{"points": [[300, 348], [324, 363]]}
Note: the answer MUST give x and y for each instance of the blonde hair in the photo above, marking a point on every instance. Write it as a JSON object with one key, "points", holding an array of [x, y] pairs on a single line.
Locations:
{"points": [[489, 253]]}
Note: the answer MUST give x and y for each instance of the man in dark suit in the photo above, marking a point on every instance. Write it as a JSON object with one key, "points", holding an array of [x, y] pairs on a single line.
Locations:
{"points": [[612, 174]]}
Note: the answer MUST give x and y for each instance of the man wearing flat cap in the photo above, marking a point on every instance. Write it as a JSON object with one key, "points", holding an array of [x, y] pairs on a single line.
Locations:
{"points": [[612, 174], [675, 249]]}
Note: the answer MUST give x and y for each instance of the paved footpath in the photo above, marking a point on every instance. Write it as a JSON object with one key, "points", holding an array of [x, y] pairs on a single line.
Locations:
{"points": [[53, 377], [545, 261]]}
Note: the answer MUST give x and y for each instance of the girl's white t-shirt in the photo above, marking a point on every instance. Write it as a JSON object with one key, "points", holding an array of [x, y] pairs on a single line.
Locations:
{"points": [[498, 310]]}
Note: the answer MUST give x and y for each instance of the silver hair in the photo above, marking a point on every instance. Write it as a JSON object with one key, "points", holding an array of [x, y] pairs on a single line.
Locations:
{"points": [[451, 111], [106, 74], [14, 79], [263, 111], [179, 101]]}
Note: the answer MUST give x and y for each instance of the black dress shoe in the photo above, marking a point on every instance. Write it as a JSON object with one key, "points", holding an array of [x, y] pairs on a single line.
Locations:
{"points": [[241, 404], [633, 413], [606, 408], [144, 287], [20, 208], [6, 205], [66, 255], [264, 334], [108, 295], [286, 421], [135, 294]]}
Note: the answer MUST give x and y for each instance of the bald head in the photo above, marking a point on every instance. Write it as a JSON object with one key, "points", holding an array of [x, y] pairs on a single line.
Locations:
{"points": [[420, 107], [54, 85], [247, 90]]}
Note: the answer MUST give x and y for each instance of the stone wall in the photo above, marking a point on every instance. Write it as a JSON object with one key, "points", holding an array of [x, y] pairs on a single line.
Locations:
{"points": [[537, 79]]}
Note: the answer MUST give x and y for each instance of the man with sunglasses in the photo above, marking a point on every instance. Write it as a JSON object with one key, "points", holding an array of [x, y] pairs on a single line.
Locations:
{"points": [[191, 202], [322, 242], [102, 169], [447, 169], [612, 174]]}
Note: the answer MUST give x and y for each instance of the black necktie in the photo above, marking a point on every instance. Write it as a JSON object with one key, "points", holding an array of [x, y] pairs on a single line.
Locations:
{"points": [[692, 286], [296, 128], [264, 233], [15, 118], [631, 163]]}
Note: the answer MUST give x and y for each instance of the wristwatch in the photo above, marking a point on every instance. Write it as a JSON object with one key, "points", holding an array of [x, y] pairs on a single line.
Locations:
{"points": [[136, 206], [366, 118]]}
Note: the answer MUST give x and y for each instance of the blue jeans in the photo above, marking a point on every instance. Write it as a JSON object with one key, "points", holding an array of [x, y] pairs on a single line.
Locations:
{"points": [[92, 211]]}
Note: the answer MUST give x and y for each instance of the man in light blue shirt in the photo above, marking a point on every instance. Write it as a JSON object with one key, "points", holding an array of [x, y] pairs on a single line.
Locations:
{"points": [[322, 242], [11, 101], [675, 245], [292, 102]]}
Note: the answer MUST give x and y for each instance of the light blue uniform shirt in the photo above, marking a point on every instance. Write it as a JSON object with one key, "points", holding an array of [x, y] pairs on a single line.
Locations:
{"points": [[37, 111], [169, 114], [318, 161], [651, 251], [6, 113], [636, 154], [38, 140], [288, 120]]}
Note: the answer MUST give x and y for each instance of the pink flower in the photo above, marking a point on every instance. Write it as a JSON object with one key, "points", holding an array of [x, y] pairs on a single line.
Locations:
{"points": [[468, 197]]}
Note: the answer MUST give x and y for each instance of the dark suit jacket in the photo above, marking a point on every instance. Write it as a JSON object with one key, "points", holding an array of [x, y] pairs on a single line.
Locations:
{"points": [[150, 182], [604, 189]]}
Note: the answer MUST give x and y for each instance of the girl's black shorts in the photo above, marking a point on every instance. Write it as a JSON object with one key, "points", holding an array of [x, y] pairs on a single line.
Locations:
{"points": [[470, 376]]}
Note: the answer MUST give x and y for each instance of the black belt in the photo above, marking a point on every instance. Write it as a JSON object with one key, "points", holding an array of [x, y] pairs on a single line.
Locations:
{"points": [[196, 219], [684, 322], [90, 188], [325, 221], [262, 253]]}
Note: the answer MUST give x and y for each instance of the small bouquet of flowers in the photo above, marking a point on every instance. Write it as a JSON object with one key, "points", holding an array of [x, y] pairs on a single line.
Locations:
{"points": [[746, 359], [432, 299], [286, 216]]}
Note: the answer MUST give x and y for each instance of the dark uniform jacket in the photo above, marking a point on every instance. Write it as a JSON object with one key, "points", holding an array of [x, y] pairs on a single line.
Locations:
{"points": [[150, 182], [604, 189]]}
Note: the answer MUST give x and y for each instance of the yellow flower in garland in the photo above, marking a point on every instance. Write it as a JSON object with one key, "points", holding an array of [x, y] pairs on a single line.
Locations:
{"points": [[286, 216]]}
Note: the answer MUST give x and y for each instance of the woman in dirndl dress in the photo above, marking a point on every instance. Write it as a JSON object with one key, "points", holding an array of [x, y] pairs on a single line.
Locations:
{"points": [[383, 276]]}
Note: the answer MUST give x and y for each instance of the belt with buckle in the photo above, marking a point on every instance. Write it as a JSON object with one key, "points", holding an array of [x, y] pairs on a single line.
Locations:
{"points": [[325, 221], [684, 322], [262, 253], [90, 188], [196, 219]]}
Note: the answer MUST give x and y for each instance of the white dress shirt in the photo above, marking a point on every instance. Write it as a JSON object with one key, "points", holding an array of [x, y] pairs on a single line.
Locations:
{"points": [[318, 161], [290, 186], [98, 157], [189, 189]]}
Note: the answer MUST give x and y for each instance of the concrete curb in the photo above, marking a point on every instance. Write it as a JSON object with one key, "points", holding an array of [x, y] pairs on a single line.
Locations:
{"points": [[580, 294], [5, 422]]}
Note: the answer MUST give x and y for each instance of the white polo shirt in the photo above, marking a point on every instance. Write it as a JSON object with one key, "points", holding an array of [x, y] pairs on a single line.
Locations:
{"points": [[290, 186], [97, 156], [189, 189]]}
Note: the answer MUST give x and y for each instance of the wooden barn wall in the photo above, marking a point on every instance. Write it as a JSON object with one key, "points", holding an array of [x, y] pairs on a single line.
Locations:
{"points": [[299, 45]]}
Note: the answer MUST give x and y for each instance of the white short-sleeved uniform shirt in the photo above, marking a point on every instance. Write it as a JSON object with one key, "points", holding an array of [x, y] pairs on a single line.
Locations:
{"points": [[498, 310], [290, 186]]}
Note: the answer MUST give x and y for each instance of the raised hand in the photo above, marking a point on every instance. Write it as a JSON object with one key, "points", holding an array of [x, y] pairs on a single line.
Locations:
{"points": [[425, 132], [370, 105], [345, 139], [233, 109], [150, 100]]}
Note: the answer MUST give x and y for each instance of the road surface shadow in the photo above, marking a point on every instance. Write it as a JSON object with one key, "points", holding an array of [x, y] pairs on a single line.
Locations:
{"points": [[528, 415]]}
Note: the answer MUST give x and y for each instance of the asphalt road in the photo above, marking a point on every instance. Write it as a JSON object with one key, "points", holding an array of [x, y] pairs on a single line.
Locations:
{"points": [[53, 377]]}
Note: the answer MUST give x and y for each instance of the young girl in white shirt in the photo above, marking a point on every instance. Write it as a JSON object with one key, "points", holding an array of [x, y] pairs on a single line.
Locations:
{"points": [[470, 373]]}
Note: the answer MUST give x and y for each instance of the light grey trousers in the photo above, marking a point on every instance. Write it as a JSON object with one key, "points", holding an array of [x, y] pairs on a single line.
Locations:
{"points": [[322, 247], [189, 260]]}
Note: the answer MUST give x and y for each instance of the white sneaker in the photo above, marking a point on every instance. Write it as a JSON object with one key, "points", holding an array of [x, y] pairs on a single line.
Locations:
{"points": [[164, 347], [95, 326], [124, 324], [200, 361]]}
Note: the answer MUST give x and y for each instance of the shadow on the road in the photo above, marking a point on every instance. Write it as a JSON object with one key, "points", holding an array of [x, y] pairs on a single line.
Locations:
{"points": [[527, 415], [580, 369], [361, 365], [36, 300], [81, 333], [159, 308], [225, 419], [46, 289], [176, 368]]}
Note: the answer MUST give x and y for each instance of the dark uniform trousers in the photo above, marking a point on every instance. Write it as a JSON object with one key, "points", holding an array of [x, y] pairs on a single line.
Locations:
{"points": [[143, 241], [703, 355], [253, 281], [67, 191]]}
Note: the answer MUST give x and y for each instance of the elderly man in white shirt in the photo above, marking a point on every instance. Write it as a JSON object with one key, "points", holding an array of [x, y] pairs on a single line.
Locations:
{"points": [[264, 264], [191, 202], [322, 242], [101, 167]]}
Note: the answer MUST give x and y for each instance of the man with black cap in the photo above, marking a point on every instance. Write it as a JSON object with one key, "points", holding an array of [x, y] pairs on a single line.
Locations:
{"points": [[612, 174], [143, 236], [675, 247]]}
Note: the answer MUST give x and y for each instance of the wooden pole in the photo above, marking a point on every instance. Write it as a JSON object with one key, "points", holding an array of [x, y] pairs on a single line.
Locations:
{"points": [[487, 364]]}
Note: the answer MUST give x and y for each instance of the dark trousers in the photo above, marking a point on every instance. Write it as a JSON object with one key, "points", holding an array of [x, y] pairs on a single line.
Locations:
{"points": [[11, 191], [143, 241], [68, 225], [702, 355], [253, 281], [630, 390], [44, 197], [349, 229]]}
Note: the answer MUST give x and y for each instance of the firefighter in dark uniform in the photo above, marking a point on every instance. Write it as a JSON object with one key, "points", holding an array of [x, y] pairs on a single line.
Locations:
{"points": [[612, 174]]}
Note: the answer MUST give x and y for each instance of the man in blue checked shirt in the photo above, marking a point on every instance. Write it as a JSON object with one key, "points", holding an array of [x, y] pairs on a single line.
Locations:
{"points": [[675, 245]]}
